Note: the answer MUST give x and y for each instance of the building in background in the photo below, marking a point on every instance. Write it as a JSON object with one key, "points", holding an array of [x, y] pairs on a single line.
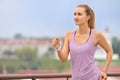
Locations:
{"points": [[8, 46]]}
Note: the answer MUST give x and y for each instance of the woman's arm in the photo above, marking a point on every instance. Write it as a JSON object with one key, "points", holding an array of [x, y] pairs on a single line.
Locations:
{"points": [[99, 39], [63, 52], [104, 44]]}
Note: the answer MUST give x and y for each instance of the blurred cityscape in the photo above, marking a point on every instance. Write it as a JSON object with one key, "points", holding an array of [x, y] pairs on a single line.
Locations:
{"points": [[25, 55]]}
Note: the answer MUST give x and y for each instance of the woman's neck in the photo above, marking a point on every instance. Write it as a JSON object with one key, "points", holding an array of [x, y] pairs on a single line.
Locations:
{"points": [[83, 30]]}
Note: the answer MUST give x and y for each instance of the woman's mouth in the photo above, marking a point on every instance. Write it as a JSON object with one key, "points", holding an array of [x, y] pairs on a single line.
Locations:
{"points": [[76, 20]]}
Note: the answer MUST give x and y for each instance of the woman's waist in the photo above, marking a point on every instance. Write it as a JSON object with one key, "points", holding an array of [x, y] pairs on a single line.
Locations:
{"points": [[85, 68], [87, 71]]}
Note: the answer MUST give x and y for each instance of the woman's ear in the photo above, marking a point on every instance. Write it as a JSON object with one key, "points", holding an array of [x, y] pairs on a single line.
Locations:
{"points": [[88, 17]]}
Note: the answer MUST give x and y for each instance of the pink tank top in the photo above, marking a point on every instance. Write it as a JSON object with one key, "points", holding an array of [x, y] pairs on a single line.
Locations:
{"points": [[82, 59]]}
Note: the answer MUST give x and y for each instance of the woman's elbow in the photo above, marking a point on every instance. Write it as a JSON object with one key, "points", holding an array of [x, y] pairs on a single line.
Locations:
{"points": [[63, 60], [110, 53]]}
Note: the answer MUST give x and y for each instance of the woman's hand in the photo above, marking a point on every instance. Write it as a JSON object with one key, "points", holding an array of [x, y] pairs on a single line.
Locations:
{"points": [[56, 43], [103, 76]]}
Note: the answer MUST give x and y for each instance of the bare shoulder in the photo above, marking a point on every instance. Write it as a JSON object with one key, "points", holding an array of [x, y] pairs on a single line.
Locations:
{"points": [[97, 33], [97, 36], [69, 34]]}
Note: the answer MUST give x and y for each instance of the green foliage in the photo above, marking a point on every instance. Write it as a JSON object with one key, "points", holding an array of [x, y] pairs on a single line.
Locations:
{"points": [[116, 62], [26, 53], [53, 64], [1, 68], [116, 45], [22, 67], [14, 65], [10, 69], [50, 53]]}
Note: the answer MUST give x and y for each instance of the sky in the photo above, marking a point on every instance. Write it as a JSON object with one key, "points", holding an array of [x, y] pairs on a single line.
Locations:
{"points": [[51, 18]]}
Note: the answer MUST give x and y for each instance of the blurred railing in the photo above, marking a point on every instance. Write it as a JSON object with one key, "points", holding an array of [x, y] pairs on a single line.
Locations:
{"points": [[40, 76]]}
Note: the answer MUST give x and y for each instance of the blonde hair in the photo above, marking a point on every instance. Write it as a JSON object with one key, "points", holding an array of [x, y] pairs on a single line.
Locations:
{"points": [[89, 11]]}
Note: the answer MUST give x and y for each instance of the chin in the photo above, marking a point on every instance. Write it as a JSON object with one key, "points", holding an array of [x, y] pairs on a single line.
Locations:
{"points": [[77, 24]]}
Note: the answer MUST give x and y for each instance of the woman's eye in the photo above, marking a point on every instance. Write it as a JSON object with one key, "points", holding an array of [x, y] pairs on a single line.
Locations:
{"points": [[74, 14], [79, 14]]}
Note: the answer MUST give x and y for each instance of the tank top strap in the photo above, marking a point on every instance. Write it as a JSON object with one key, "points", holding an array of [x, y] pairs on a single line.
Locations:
{"points": [[91, 38], [92, 33], [73, 34]]}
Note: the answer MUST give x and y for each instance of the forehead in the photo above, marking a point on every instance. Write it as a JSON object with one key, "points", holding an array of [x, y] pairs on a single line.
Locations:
{"points": [[80, 9]]}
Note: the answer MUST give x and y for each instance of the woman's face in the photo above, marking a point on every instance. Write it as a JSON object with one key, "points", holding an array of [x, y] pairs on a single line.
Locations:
{"points": [[80, 16]]}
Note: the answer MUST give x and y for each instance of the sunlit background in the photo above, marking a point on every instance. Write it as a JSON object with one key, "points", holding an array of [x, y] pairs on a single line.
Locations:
{"points": [[27, 27]]}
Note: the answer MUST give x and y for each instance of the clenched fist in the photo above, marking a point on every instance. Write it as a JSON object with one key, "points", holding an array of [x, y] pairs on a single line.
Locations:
{"points": [[56, 42]]}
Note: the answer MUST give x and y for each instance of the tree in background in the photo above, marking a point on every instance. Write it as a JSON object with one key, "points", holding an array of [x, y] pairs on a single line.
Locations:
{"points": [[116, 46], [26, 53], [50, 53]]}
